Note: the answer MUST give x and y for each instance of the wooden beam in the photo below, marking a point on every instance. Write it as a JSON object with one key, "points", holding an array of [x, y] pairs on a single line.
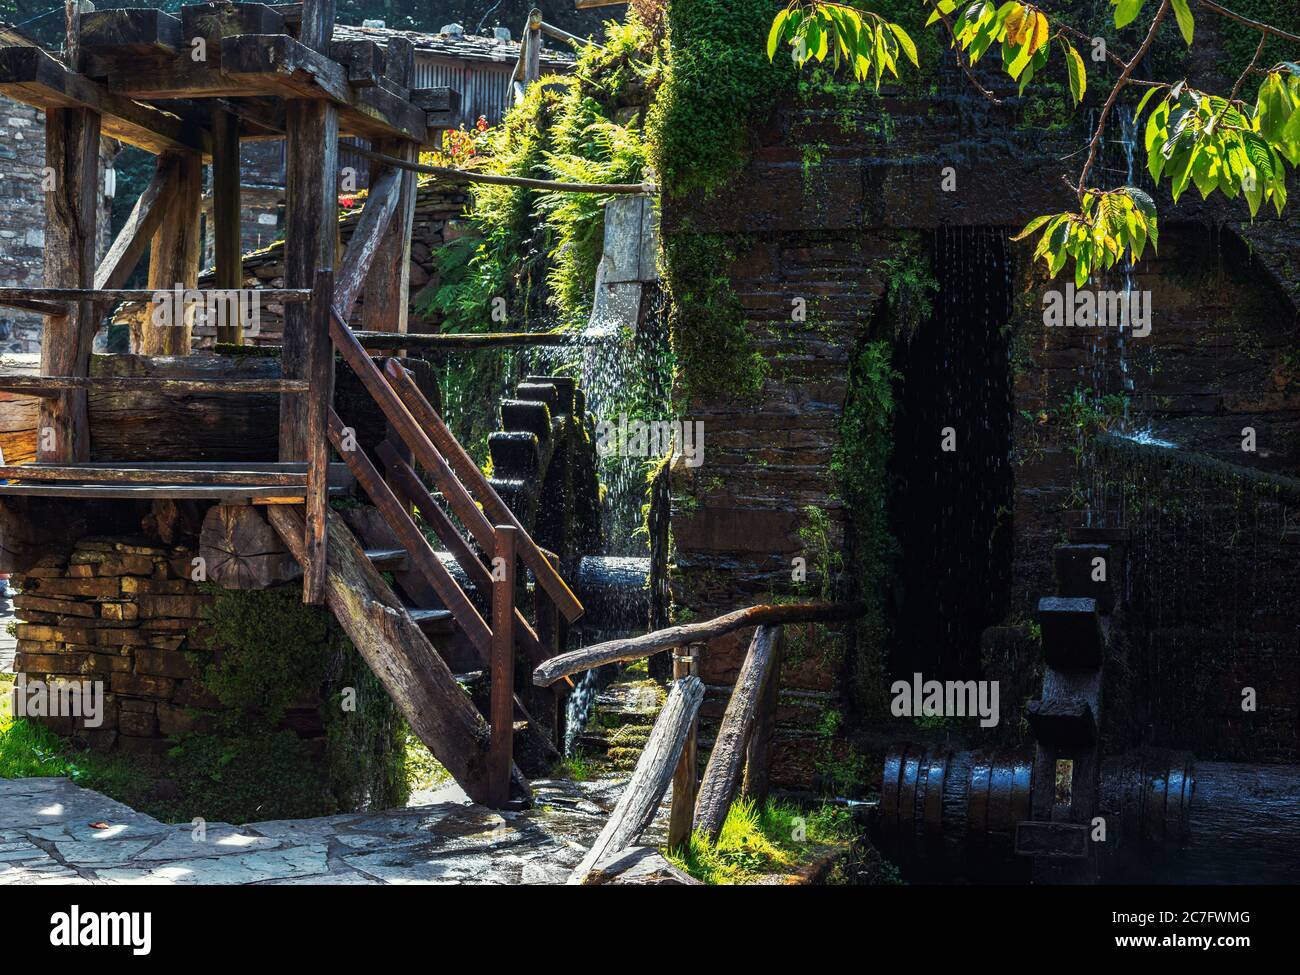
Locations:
{"points": [[376, 216], [139, 31], [635, 648], [727, 760], [134, 237], [174, 261], [29, 75], [440, 713], [757, 753], [311, 220], [469, 473], [640, 800], [362, 60], [501, 708], [279, 63], [685, 776], [213, 22], [228, 249], [126, 474], [36, 385], [72, 155], [279, 295]]}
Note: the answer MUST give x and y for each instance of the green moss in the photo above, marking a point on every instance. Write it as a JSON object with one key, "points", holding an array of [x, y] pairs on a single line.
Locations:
{"points": [[776, 838]]}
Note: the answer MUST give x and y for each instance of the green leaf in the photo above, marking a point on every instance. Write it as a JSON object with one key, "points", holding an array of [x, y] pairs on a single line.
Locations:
{"points": [[1184, 17], [1032, 226], [1077, 73], [1137, 112], [1126, 11], [778, 28], [905, 42]]}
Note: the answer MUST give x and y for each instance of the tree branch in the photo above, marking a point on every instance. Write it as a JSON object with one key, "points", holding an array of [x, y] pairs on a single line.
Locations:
{"points": [[1260, 26]]}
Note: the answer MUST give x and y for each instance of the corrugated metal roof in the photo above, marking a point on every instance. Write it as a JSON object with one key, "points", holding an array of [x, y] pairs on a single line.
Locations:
{"points": [[470, 47]]}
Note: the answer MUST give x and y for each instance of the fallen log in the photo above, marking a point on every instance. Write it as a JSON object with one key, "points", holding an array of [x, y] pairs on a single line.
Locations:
{"points": [[654, 769], [727, 761], [613, 651]]}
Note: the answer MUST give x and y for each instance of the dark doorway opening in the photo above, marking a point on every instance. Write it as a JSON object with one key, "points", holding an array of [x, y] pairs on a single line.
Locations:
{"points": [[951, 509]]}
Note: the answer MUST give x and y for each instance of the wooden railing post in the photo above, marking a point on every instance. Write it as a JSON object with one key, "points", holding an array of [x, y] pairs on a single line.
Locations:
{"points": [[502, 708], [757, 757], [320, 373], [686, 774]]}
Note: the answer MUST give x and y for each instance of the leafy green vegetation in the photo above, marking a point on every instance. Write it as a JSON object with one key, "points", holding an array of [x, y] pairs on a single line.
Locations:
{"points": [[776, 838]]}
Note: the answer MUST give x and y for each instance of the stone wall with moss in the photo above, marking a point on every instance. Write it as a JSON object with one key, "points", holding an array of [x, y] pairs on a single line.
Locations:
{"points": [[227, 705]]}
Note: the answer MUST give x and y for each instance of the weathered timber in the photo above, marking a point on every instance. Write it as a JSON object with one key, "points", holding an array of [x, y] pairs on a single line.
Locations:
{"points": [[241, 551], [215, 21], [654, 770], [727, 760], [18, 413], [139, 31], [410, 538], [283, 295], [376, 216], [31, 76], [319, 399], [50, 385], [174, 261], [133, 239], [612, 651], [399, 62], [469, 176], [757, 753], [501, 710], [452, 341], [310, 229], [469, 473], [72, 156], [411, 490], [398, 653], [279, 63], [362, 60], [50, 309], [96, 474], [227, 249], [685, 777]]}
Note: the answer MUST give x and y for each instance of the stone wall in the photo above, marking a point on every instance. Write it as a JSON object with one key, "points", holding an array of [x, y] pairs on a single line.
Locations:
{"points": [[124, 612]]}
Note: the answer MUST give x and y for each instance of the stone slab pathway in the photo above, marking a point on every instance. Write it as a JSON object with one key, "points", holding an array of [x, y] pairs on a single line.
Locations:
{"points": [[47, 837]]}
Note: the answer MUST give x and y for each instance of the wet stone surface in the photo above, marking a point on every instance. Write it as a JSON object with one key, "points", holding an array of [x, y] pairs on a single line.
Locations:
{"points": [[56, 832]]}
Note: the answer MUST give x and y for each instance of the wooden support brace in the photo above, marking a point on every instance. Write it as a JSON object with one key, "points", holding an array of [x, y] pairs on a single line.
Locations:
{"points": [[321, 394], [685, 664]]}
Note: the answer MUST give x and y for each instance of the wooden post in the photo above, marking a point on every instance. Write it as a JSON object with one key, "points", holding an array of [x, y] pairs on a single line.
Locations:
{"points": [[757, 758], [546, 701], [319, 398], [684, 776], [228, 249], [533, 60], [502, 709], [310, 225], [174, 261]]}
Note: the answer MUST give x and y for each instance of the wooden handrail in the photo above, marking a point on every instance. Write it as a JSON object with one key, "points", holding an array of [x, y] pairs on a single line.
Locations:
{"points": [[613, 651], [473, 478]]}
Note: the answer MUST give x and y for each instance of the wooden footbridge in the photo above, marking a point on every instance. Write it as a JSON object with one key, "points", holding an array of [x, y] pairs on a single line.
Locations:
{"points": [[191, 88]]}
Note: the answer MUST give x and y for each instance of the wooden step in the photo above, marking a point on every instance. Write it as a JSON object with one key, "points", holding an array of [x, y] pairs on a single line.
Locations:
{"points": [[1074, 565], [432, 620], [387, 559]]}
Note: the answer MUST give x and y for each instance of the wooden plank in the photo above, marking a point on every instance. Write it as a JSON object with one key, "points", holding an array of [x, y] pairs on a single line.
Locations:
{"points": [[412, 492], [634, 648], [467, 340], [685, 664], [52, 309], [227, 244], [465, 469], [376, 216], [501, 708], [133, 239], [440, 713], [174, 261], [410, 538], [727, 760], [38, 385], [31, 76], [139, 31], [757, 754], [126, 474], [318, 452], [279, 295], [231, 494], [654, 770], [311, 219], [72, 155]]}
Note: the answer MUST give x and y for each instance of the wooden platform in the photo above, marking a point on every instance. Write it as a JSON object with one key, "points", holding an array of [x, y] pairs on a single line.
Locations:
{"points": [[231, 483]]}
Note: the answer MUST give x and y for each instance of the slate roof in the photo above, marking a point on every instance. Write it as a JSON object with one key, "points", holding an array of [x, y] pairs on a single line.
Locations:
{"points": [[469, 47]]}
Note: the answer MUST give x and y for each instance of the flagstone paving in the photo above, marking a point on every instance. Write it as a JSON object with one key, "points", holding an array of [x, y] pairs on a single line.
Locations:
{"points": [[55, 832]]}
